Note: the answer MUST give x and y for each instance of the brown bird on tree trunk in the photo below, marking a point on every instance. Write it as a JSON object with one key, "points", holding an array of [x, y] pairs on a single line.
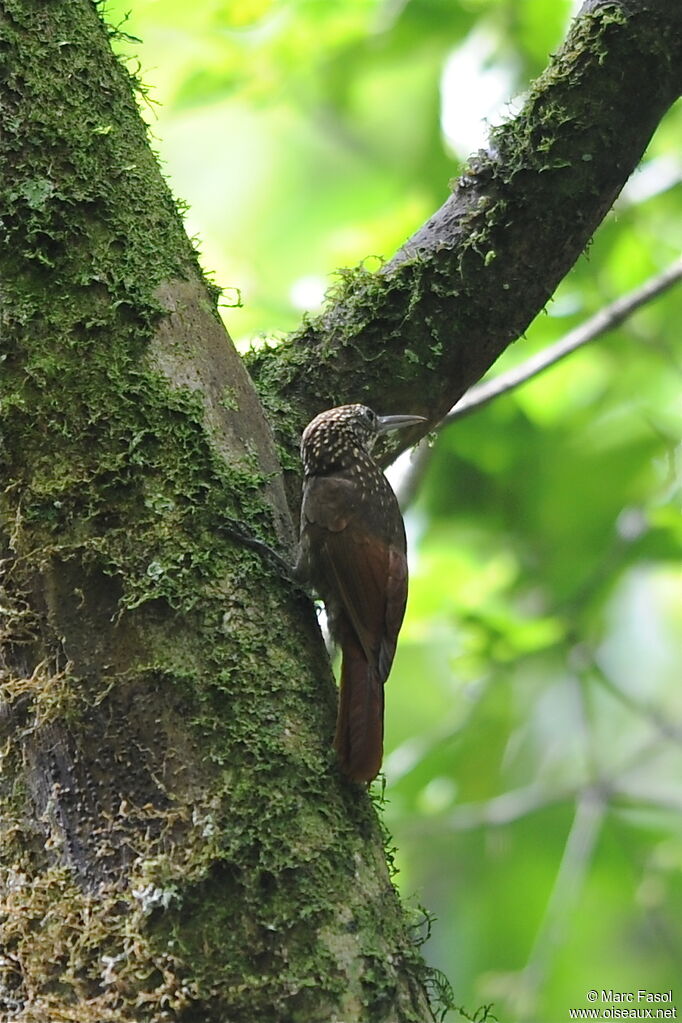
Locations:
{"points": [[353, 552]]}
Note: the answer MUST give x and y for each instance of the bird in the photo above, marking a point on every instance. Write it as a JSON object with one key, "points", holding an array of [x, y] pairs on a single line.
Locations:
{"points": [[353, 553]]}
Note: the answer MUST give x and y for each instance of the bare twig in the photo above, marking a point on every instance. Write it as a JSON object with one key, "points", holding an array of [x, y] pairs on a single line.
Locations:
{"points": [[573, 870], [601, 323], [481, 394]]}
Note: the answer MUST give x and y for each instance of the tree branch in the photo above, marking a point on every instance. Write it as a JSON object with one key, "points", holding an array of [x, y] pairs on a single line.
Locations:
{"points": [[611, 316], [601, 323], [415, 335]]}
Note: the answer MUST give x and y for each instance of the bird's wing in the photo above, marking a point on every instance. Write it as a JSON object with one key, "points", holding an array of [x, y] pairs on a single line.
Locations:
{"points": [[330, 502]]}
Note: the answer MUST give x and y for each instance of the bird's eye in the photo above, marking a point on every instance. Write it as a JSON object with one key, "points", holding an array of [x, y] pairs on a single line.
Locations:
{"points": [[370, 415]]}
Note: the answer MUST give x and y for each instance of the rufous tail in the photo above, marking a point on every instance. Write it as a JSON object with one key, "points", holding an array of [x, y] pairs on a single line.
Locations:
{"points": [[359, 740]]}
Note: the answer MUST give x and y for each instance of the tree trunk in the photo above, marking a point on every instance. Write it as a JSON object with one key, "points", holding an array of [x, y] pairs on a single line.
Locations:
{"points": [[176, 842]]}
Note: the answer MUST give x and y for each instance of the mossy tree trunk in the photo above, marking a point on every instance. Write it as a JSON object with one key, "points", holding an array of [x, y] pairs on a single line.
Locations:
{"points": [[175, 840]]}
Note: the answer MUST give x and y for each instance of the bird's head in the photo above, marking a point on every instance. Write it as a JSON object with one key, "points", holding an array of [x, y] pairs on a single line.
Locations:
{"points": [[337, 438]]}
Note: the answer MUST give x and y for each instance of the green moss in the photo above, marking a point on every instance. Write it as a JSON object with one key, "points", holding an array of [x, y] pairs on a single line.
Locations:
{"points": [[166, 707], [415, 334]]}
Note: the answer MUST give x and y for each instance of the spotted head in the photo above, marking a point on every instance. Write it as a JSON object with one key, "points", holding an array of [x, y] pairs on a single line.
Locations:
{"points": [[336, 439]]}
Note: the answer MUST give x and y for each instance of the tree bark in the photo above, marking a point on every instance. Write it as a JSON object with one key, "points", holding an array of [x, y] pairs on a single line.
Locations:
{"points": [[176, 842], [416, 335]]}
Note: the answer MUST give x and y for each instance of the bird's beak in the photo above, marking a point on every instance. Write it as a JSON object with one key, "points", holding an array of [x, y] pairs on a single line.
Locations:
{"points": [[386, 423]]}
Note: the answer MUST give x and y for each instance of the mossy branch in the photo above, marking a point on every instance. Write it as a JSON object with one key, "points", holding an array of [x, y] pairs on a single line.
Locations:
{"points": [[413, 336]]}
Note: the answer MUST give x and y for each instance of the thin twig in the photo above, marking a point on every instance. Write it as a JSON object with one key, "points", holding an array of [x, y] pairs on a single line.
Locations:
{"points": [[573, 870], [601, 323], [413, 463]]}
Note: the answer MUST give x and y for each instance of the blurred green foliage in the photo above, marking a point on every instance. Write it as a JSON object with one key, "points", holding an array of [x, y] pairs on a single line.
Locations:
{"points": [[534, 718]]}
